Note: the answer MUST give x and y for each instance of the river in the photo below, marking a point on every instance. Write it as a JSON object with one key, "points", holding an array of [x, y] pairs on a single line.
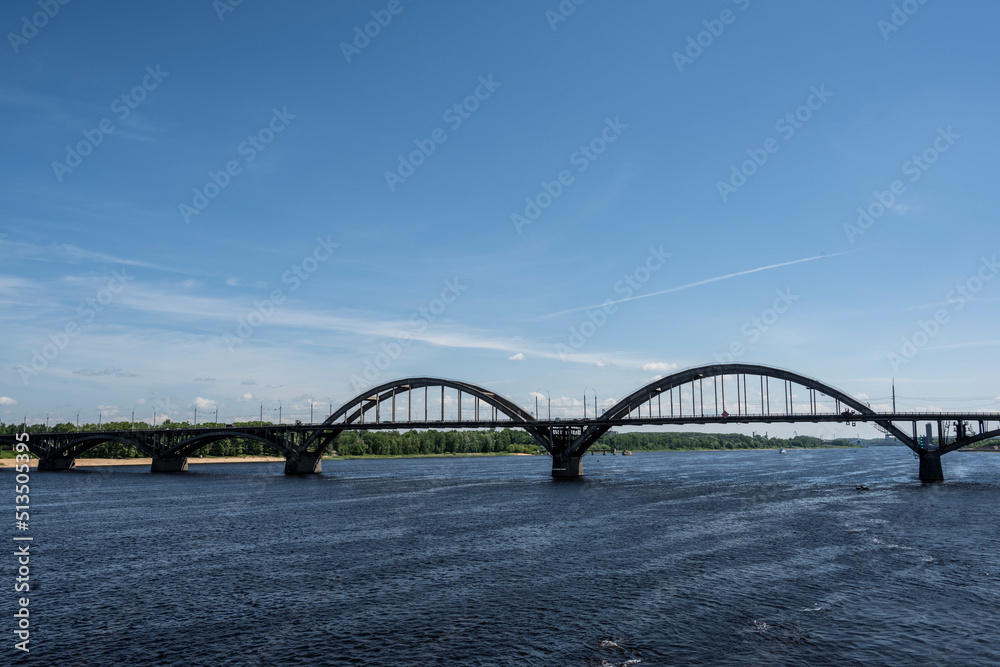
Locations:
{"points": [[666, 558]]}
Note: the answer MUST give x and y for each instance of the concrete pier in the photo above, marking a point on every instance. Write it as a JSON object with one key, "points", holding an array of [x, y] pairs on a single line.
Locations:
{"points": [[306, 464], [57, 464], [567, 467], [930, 467], [169, 464]]}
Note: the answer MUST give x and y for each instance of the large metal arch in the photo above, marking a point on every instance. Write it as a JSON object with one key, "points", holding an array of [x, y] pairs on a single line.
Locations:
{"points": [[688, 375], [191, 445], [376, 395]]}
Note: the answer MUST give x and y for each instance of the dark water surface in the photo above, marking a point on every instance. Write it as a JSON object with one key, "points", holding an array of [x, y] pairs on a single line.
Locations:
{"points": [[663, 558]]}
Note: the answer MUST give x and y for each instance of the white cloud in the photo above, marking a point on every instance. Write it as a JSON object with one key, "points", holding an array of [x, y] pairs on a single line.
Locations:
{"points": [[110, 370], [204, 379], [601, 363], [659, 366], [246, 397], [7, 400], [517, 357], [204, 403]]}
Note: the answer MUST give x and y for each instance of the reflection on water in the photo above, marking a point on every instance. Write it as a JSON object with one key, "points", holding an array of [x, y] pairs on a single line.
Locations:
{"points": [[654, 559]]}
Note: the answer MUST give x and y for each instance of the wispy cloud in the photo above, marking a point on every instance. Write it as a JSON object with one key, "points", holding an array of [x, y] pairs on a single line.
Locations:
{"points": [[65, 252]]}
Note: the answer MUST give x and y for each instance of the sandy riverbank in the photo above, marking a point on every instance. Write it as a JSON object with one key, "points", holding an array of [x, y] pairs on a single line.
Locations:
{"points": [[193, 460], [91, 463]]}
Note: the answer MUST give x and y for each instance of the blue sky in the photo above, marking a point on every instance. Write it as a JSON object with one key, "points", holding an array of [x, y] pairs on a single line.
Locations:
{"points": [[275, 200]]}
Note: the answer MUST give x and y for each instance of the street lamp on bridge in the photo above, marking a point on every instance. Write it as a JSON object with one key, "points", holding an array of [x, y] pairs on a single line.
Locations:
{"points": [[585, 402], [537, 393]]}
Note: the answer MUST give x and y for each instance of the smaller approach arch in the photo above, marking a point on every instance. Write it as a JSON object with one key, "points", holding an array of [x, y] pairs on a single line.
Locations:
{"points": [[369, 407]]}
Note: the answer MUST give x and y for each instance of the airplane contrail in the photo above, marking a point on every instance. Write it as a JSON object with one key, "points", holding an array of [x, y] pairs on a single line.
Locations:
{"points": [[700, 282]]}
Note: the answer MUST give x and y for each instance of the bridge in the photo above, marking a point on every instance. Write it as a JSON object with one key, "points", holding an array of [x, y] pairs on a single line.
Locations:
{"points": [[756, 394]]}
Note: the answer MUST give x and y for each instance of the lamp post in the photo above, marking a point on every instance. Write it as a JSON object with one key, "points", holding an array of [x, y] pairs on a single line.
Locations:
{"points": [[585, 402], [310, 412], [279, 412], [537, 394]]}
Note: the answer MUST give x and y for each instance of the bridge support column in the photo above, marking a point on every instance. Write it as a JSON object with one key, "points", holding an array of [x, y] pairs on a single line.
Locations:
{"points": [[930, 467], [304, 464], [169, 464], [567, 467], [63, 463]]}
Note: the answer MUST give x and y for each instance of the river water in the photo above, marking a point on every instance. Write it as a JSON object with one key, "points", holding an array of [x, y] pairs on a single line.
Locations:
{"points": [[660, 558]]}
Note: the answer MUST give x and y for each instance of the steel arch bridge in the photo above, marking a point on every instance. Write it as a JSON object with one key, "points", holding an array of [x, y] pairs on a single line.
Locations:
{"points": [[711, 394]]}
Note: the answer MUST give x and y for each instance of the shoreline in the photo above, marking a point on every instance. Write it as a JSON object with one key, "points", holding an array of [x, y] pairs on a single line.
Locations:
{"points": [[146, 461], [194, 460]]}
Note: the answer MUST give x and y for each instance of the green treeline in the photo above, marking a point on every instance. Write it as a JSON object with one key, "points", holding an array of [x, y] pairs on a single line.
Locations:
{"points": [[650, 442], [350, 443], [394, 443], [416, 443]]}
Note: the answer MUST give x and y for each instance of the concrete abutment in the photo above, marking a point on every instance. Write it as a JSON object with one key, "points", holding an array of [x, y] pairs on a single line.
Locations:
{"points": [[63, 463], [169, 464], [567, 467], [304, 464], [930, 468]]}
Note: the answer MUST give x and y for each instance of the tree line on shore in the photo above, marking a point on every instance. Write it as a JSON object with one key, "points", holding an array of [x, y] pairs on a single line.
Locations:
{"points": [[431, 442]]}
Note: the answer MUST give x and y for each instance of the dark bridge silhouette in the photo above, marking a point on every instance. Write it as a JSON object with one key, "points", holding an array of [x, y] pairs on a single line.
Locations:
{"points": [[756, 394]]}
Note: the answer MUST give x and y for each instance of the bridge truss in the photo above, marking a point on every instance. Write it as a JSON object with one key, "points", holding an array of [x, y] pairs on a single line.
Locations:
{"points": [[711, 394]]}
